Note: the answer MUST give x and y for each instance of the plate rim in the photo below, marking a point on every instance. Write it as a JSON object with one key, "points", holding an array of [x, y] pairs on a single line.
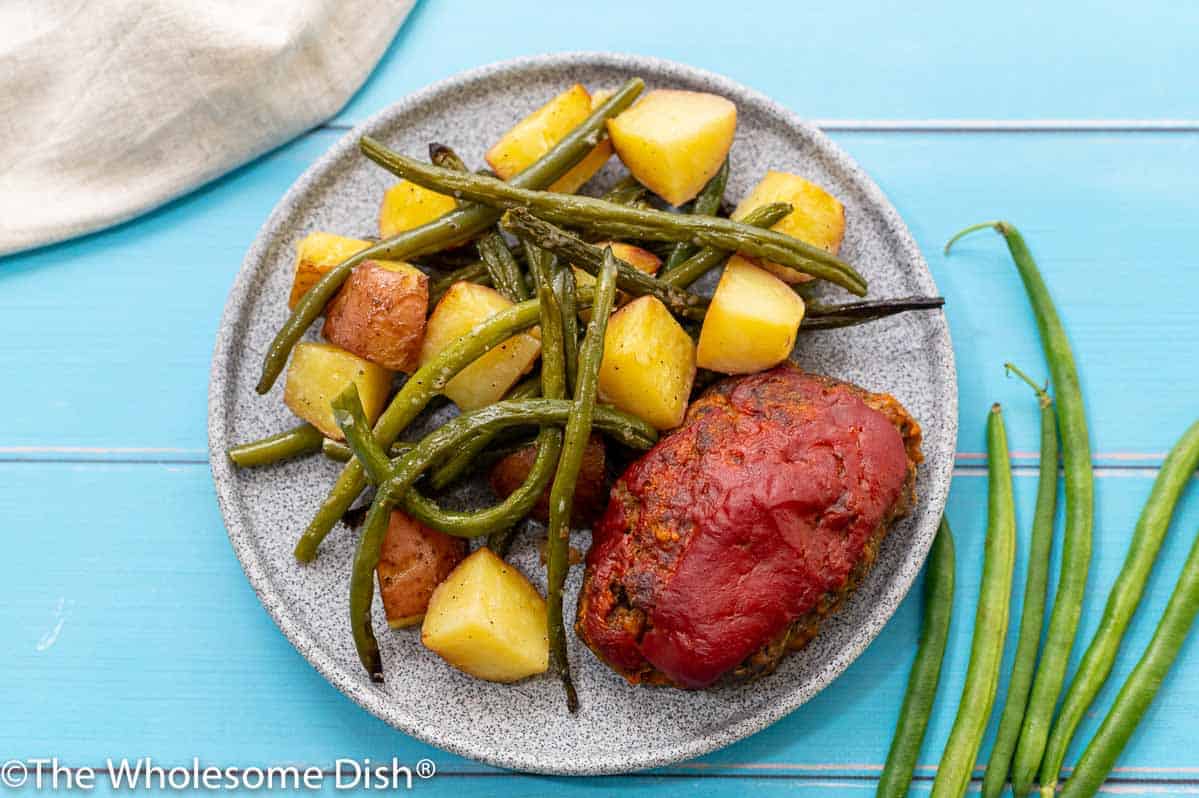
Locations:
{"points": [[376, 702]]}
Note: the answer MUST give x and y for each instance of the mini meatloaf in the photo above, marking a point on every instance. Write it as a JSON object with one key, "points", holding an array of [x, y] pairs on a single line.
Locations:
{"points": [[724, 546]]}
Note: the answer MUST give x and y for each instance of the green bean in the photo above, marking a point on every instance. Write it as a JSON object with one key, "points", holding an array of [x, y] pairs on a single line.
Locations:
{"points": [[1080, 510], [926, 668], [362, 587], [564, 289], [626, 191], [459, 223], [706, 204], [340, 452], [461, 460], [850, 314], [1036, 587], [709, 258], [621, 222], [1141, 686], [471, 273], [578, 431], [347, 412], [1123, 599], [990, 622], [589, 258], [428, 381], [297, 441]]}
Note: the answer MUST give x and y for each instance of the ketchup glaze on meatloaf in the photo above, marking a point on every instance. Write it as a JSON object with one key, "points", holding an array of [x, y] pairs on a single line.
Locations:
{"points": [[724, 545]]}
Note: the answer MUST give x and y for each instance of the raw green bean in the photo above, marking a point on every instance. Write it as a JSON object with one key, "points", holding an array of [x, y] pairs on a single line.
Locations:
{"points": [[1122, 601], [564, 289], [589, 258], [1080, 511], [850, 314], [926, 668], [990, 622], [428, 381], [1036, 586], [456, 225], [578, 431], [621, 222], [706, 204], [709, 258], [461, 460], [1142, 684], [297, 441]]}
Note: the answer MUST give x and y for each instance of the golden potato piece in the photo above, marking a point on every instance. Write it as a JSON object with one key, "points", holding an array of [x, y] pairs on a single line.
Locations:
{"points": [[675, 141], [649, 363], [817, 217], [485, 619], [591, 488], [485, 381], [751, 323], [316, 254], [407, 205], [379, 314], [412, 563], [319, 372], [533, 136]]}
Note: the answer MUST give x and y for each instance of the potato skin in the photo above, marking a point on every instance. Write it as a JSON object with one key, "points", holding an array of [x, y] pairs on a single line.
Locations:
{"points": [[379, 314], [413, 562], [591, 491]]}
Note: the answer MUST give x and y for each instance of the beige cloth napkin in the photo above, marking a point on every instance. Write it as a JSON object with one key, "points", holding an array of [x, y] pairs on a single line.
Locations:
{"points": [[109, 108]]}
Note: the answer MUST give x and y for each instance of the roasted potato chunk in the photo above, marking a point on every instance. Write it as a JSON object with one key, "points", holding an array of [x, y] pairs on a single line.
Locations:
{"points": [[485, 619], [649, 363], [407, 205], [485, 381], [817, 217], [675, 141], [591, 489], [319, 372], [412, 563], [379, 314], [316, 254], [751, 323], [533, 136]]}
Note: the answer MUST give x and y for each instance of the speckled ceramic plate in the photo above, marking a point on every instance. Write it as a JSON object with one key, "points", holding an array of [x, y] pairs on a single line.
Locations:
{"points": [[526, 726]]}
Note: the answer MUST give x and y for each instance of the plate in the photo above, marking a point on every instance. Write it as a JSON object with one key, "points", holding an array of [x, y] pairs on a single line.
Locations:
{"points": [[526, 726]]}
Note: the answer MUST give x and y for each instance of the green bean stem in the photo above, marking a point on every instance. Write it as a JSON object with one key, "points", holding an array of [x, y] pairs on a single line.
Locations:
{"points": [[1036, 588], [990, 622], [456, 225], [1122, 601], [1142, 684], [578, 431], [1080, 511], [589, 258], [709, 258], [622, 222], [706, 204], [926, 668], [295, 442]]}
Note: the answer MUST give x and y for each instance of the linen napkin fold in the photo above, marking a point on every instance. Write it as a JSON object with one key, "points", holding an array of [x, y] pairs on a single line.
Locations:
{"points": [[109, 108]]}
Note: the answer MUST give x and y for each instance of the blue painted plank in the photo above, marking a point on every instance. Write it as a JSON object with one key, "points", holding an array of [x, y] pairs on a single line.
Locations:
{"points": [[1108, 216], [142, 626], [918, 60]]}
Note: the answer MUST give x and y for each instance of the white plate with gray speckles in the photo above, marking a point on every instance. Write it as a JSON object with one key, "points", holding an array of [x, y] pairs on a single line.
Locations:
{"points": [[526, 726]]}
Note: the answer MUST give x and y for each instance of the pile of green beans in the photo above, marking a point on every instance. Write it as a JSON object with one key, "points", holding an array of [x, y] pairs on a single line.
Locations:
{"points": [[926, 669], [990, 622], [1080, 510], [1122, 601], [1036, 587], [622, 222]]}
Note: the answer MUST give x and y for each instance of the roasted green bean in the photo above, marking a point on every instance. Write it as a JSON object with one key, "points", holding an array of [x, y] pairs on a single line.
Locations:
{"points": [[460, 223], [564, 289], [1080, 510], [295, 442], [926, 668], [589, 258], [709, 258], [706, 204], [461, 460], [1036, 587], [622, 222], [850, 314], [626, 191], [990, 622]]}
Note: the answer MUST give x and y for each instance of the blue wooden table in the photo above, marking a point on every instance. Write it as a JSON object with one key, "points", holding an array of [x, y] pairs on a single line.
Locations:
{"points": [[128, 627]]}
